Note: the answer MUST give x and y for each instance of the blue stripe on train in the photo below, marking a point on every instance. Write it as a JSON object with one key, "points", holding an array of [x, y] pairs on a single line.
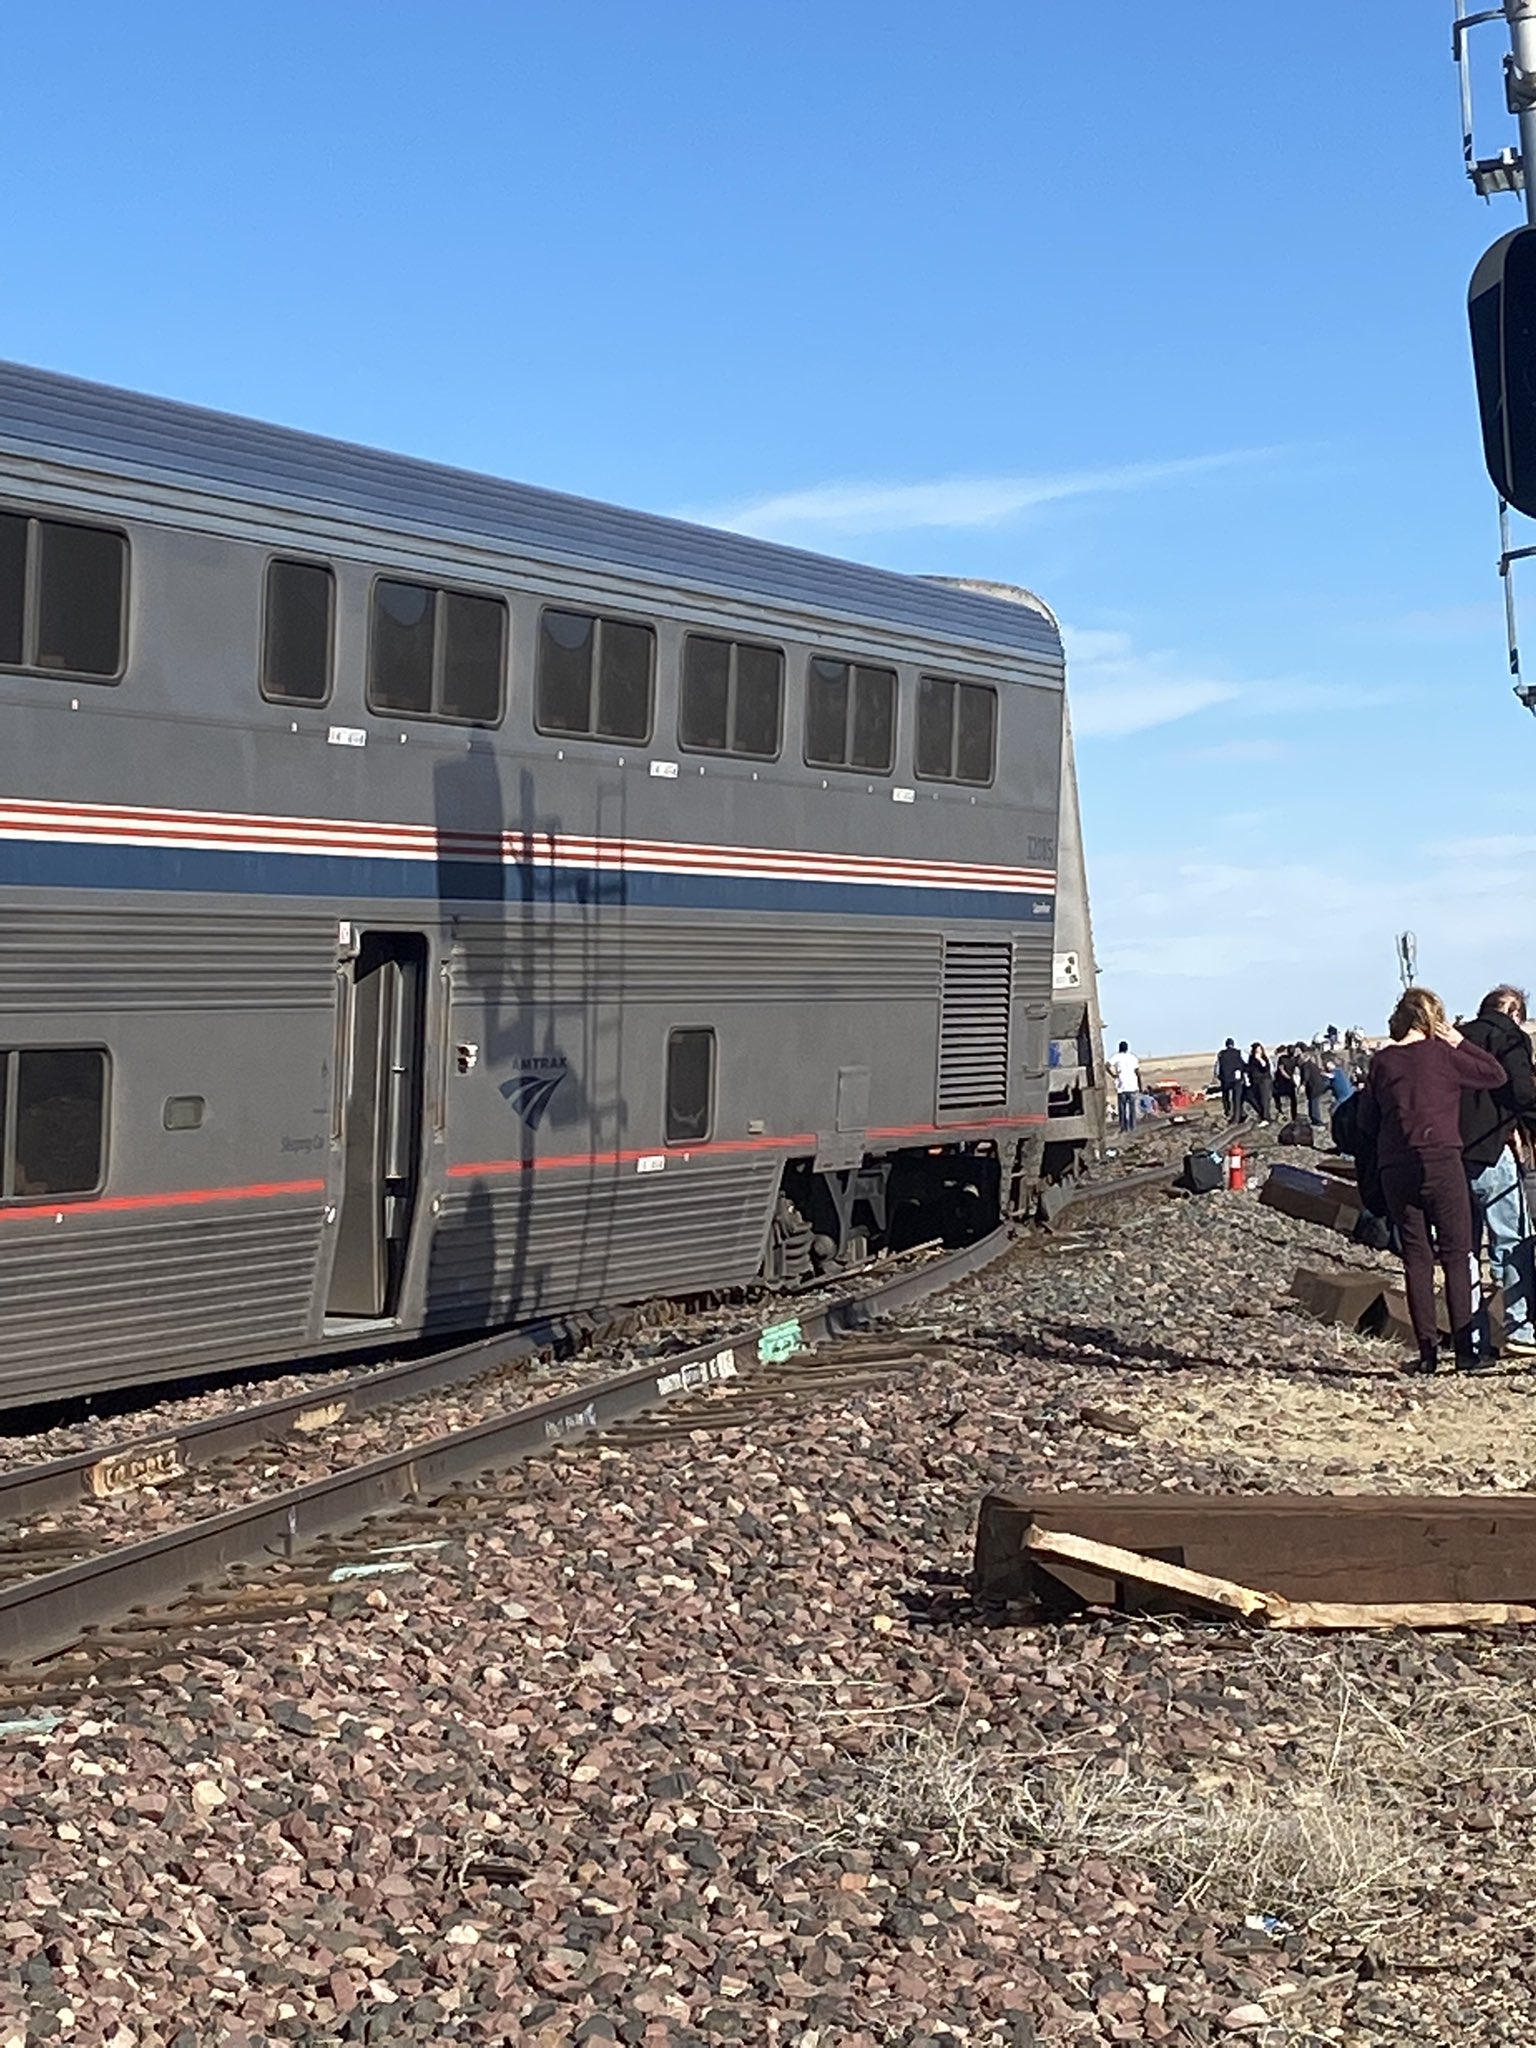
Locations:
{"points": [[227, 871]]}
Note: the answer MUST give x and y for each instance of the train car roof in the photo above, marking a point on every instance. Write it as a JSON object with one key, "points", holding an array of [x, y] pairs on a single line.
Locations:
{"points": [[44, 417]]}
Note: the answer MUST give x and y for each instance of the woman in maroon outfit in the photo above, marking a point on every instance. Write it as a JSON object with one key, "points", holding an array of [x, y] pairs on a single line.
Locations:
{"points": [[1411, 1122]]}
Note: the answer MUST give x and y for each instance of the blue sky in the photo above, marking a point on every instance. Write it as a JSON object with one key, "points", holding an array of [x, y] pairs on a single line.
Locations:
{"points": [[1101, 299]]}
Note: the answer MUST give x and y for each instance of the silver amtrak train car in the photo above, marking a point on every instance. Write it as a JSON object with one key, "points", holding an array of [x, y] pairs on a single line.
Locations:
{"points": [[428, 903]]}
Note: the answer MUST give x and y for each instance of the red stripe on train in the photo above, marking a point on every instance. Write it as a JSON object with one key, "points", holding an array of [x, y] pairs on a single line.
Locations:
{"points": [[793, 1140], [177, 1198], [260, 1191]]}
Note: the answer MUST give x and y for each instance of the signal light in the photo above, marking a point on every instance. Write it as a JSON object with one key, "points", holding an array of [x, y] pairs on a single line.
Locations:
{"points": [[1501, 307]]}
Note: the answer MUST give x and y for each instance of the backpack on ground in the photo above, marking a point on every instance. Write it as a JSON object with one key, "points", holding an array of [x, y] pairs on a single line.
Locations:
{"points": [[1297, 1132], [1203, 1173]]}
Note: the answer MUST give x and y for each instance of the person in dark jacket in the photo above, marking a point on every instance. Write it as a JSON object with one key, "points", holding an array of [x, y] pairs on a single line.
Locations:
{"points": [[1410, 1120], [1229, 1072], [1261, 1083], [1285, 1083], [1314, 1079], [1491, 1118]]}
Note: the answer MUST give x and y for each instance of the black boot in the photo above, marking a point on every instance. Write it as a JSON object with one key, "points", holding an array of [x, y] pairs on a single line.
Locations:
{"points": [[1425, 1362], [1473, 1349]]}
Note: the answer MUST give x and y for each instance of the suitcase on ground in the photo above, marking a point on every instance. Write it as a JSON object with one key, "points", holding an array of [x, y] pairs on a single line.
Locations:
{"points": [[1297, 1132], [1203, 1173]]}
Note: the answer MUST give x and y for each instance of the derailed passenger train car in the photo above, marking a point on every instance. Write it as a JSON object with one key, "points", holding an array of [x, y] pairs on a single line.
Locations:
{"points": [[427, 902]]}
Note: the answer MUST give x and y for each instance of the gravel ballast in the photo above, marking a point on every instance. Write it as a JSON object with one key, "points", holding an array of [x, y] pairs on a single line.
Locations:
{"points": [[699, 1739]]}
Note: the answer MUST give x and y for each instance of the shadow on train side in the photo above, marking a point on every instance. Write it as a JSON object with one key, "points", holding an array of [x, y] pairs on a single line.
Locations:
{"points": [[525, 953], [531, 1066]]}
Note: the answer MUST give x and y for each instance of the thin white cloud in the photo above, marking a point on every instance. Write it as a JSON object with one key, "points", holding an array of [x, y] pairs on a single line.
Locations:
{"points": [[1243, 751], [1444, 621], [1115, 688], [822, 511], [1111, 710], [1499, 846], [1287, 698]]}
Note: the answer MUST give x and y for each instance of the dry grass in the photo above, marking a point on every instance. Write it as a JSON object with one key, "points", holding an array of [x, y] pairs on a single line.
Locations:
{"points": [[1339, 1841], [1330, 1844]]}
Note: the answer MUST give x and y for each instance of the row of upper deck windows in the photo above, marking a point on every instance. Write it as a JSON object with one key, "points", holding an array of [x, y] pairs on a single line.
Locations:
{"points": [[441, 653]]}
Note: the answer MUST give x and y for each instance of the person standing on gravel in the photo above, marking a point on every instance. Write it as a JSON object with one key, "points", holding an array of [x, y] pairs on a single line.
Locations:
{"points": [[1261, 1083], [1229, 1072], [1491, 1118], [1410, 1165], [1285, 1083], [1315, 1081], [1126, 1069]]}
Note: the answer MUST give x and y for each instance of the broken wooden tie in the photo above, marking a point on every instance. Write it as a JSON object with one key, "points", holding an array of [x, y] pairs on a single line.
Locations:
{"points": [[1435, 1563]]}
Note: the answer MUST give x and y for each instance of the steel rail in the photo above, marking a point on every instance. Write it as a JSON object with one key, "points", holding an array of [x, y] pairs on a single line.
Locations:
{"points": [[55, 1609], [48, 1613], [32, 1489], [168, 1453]]}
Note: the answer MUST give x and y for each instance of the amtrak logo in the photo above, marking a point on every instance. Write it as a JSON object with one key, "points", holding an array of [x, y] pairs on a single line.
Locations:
{"points": [[532, 1088]]}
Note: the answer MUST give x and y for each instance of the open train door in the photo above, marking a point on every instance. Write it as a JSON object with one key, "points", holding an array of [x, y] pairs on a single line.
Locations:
{"points": [[383, 1052]]}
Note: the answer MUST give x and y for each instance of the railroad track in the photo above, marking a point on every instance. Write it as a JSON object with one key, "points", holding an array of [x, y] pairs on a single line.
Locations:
{"points": [[70, 1619]]}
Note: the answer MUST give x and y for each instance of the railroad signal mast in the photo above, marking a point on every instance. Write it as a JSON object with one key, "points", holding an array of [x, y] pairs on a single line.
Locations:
{"points": [[1501, 300]]}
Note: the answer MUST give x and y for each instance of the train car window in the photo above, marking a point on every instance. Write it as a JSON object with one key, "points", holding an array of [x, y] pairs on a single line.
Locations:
{"points": [[400, 674], [625, 659], [13, 587], [976, 734], [79, 599], [53, 1121], [826, 713], [566, 641], [873, 744], [733, 694], [935, 754], [704, 716], [850, 715], [690, 1085], [759, 707], [61, 597], [595, 676], [437, 653], [956, 731], [473, 658], [298, 632]]}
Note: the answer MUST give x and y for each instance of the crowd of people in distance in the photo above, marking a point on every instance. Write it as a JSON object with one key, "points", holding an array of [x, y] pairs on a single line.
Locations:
{"points": [[1273, 1088], [1322, 1075]]}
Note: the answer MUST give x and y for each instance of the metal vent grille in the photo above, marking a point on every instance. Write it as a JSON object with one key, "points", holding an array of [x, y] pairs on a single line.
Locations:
{"points": [[973, 1026]]}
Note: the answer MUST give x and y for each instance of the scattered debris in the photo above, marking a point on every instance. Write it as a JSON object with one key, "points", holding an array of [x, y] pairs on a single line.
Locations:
{"points": [[1272, 1610], [1370, 1304], [1110, 1421], [1352, 1299], [1311, 1196], [42, 1723], [1052, 1546]]}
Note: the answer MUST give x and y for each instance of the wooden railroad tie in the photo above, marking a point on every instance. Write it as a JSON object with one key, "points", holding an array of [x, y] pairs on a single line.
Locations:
{"points": [[1448, 1563]]}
